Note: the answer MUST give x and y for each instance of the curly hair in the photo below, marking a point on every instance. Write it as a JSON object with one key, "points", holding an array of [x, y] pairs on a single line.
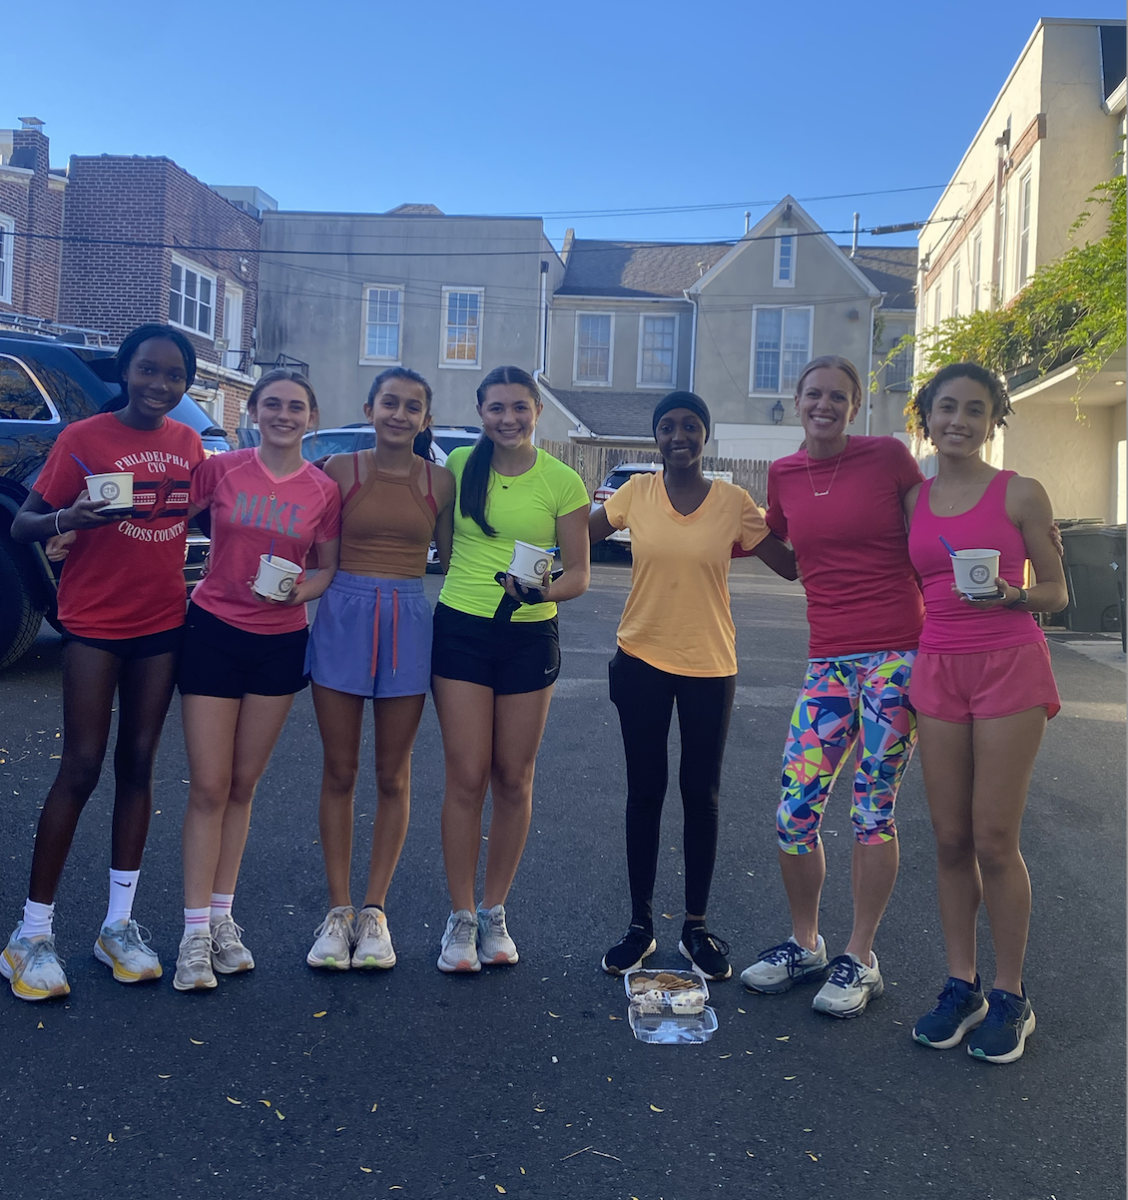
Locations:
{"points": [[994, 386]]}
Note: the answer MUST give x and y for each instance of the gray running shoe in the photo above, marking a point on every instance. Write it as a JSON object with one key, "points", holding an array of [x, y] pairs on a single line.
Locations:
{"points": [[782, 967], [495, 946], [229, 955], [335, 936], [851, 986], [33, 967], [373, 947], [460, 943], [194, 963], [125, 947]]}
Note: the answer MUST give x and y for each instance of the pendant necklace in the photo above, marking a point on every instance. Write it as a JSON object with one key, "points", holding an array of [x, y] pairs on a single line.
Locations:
{"points": [[832, 478]]}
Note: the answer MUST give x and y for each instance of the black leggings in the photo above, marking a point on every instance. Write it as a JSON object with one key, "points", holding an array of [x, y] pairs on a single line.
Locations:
{"points": [[645, 699]]}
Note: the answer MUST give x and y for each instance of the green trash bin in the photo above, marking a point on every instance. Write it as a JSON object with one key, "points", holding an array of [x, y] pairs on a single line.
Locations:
{"points": [[1116, 548], [1094, 597]]}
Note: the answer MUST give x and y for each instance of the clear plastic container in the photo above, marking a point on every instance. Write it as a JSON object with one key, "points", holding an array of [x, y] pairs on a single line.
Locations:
{"points": [[673, 1031], [650, 992]]}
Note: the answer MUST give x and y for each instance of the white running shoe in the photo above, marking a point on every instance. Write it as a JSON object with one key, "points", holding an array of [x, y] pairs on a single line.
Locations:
{"points": [[851, 986], [782, 967], [373, 946], [229, 955], [460, 943], [335, 936], [33, 967], [124, 947], [194, 962], [495, 946]]}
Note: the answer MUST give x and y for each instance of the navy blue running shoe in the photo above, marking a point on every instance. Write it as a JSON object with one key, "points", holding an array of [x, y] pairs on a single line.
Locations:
{"points": [[1002, 1036], [960, 1006]]}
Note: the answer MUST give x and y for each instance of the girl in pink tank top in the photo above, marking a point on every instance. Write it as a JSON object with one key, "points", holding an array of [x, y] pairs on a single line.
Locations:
{"points": [[983, 690]]}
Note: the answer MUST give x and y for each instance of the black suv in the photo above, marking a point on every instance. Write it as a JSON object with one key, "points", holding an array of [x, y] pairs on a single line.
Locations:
{"points": [[45, 385]]}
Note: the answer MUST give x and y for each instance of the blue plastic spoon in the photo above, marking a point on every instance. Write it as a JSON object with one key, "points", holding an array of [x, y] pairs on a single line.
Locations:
{"points": [[946, 546]]}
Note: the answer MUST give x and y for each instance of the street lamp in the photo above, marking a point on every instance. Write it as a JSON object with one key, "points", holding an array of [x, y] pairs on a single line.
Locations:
{"points": [[777, 412]]}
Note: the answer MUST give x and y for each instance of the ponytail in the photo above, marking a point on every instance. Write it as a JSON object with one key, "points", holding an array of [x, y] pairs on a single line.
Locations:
{"points": [[474, 484], [422, 444]]}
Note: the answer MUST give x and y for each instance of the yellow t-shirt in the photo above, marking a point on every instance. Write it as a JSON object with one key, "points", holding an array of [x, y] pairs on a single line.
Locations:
{"points": [[677, 616]]}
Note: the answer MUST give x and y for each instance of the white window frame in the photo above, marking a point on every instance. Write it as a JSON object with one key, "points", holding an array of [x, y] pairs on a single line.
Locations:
{"points": [[976, 269], [938, 303], [783, 309], [186, 264], [957, 279], [603, 383], [7, 253], [234, 337], [1025, 221], [377, 359], [460, 364], [1001, 257], [661, 316], [780, 234]]}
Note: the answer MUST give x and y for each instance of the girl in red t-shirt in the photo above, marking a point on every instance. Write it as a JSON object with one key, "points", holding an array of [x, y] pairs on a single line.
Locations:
{"points": [[121, 604], [244, 656]]}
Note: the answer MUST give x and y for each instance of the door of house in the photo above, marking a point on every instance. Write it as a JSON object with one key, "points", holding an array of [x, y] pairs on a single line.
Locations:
{"points": [[233, 325]]}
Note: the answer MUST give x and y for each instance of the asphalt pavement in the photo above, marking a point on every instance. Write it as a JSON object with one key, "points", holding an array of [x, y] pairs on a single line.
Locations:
{"points": [[526, 1081]]}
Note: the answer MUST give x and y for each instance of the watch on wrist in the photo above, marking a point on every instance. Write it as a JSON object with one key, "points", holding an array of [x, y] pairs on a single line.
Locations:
{"points": [[1021, 598]]}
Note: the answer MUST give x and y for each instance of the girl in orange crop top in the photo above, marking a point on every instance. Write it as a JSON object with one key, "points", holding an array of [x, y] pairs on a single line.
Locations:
{"points": [[371, 639]]}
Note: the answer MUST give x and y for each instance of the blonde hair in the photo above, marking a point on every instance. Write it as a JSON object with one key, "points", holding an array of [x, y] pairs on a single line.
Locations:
{"points": [[837, 363]]}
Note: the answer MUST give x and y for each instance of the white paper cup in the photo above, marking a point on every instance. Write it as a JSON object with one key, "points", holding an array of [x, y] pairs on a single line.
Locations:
{"points": [[114, 486], [529, 564], [976, 571], [276, 577]]}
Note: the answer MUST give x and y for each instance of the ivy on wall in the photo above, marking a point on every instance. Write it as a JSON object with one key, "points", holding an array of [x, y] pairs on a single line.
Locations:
{"points": [[1071, 311]]}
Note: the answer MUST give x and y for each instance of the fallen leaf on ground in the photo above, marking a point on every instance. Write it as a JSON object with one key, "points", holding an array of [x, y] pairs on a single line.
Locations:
{"points": [[741, 1010], [40, 1025], [749, 1153], [668, 916], [536, 1109], [522, 1170], [812, 1157], [612, 1017], [110, 1138], [556, 1015], [791, 1077], [500, 1188], [653, 1109], [230, 1100], [726, 1056], [786, 1038], [266, 1102], [609, 1080], [374, 1107], [323, 1012], [194, 1042], [367, 1170], [164, 1076], [279, 1115]]}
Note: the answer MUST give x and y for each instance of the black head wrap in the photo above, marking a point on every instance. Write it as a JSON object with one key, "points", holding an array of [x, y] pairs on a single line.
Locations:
{"points": [[682, 400]]}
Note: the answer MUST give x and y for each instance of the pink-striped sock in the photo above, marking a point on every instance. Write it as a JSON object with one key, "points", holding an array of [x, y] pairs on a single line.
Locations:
{"points": [[196, 921], [221, 906]]}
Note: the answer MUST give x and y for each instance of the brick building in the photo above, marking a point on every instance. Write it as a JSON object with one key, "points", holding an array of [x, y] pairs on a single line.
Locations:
{"points": [[138, 243]]}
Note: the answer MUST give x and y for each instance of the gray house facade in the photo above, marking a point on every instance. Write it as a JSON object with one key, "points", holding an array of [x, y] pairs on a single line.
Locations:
{"points": [[449, 296]]}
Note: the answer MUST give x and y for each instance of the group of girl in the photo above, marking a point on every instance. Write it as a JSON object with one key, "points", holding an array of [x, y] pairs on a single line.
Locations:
{"points": [[848, 515]]}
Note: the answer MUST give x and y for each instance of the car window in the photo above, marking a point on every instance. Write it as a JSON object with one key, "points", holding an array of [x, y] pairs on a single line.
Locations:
{"points": [[20, 399], [333, 441], [617, 478], [451, 441]]}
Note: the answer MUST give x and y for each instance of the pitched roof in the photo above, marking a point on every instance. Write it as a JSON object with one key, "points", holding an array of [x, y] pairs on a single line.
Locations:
{"points": [[415, 210], [626, 269], [612, 414], [892, 269]]}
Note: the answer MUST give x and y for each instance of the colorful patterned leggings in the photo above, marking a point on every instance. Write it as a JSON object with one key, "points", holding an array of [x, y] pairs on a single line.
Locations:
{"points": [[843, 701]]}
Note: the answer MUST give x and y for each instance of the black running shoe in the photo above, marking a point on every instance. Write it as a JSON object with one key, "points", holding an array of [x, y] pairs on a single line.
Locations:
{"points": [[1002, 1036], [629, 951], [960, 1008], [708, 954]]}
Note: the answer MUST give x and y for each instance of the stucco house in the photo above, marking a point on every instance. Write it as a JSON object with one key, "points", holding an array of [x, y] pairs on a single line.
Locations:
{"points": [[733, 322], [1055, 130], [449, 296]]}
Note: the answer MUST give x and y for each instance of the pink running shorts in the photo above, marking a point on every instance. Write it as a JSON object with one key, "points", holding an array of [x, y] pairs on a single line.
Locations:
{"points": [[980, 687]]}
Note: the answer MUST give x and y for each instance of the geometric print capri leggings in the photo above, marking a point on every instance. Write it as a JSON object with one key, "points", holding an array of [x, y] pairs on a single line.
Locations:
{"points": [[864, 697]]}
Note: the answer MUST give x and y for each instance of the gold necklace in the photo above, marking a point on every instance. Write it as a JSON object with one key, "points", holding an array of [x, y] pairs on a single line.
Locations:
{"points": [[832, 478]]}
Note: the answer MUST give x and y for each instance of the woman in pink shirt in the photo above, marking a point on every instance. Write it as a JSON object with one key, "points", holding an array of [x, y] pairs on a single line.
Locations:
{"points": [[244, 656], [983, 690], [838, 500]]}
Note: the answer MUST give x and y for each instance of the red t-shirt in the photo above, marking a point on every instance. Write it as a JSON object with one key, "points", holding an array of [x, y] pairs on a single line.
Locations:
{"points": [[851, 545], [250, 511], [126, 579]]}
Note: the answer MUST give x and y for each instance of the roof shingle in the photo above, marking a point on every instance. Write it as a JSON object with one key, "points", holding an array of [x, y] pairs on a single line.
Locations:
{"points": [[892, 269], [626, 269]]}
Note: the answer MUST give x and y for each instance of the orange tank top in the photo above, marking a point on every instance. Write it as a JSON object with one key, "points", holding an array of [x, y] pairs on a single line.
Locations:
{"points": [[387, 523]]}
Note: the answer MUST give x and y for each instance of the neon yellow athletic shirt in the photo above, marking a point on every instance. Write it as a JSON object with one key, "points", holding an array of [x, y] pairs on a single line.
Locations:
{"points": [[521, 508]]}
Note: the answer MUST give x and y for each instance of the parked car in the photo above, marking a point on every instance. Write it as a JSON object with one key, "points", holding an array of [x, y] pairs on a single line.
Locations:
{"points": [[347, 439], [44, 386]]}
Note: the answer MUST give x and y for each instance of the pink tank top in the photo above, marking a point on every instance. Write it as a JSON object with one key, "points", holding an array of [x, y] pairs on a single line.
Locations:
{"points": [[952, 626]]}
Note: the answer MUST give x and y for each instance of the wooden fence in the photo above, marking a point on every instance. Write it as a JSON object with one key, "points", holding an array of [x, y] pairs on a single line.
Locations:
{"points": [[594, 463]]}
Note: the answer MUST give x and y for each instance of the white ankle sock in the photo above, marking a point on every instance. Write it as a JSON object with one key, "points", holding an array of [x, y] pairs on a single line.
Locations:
{"points": [[123, 887], [196, 920], [221, 906], [37, 919]]}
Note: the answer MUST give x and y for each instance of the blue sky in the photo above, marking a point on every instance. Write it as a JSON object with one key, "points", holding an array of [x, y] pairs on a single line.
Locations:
{"points": [[524, 107]]}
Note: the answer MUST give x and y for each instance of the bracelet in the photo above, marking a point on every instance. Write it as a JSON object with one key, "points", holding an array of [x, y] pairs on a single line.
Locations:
{"points": [[58, 514], [1021, 598]]}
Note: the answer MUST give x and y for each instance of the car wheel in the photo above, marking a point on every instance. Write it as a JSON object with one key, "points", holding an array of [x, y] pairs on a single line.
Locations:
{"points": [[20, 616]]}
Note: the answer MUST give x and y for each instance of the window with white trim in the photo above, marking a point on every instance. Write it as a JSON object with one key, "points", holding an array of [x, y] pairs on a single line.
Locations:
{"points": [[1025, 203], [938, 304], [784, 271], [383, 318], [593, 348], [781, 347], [956, 288], [1002, 258], [191, 298], [7, 250], [657, 351], [976, 270], [462, 327]]}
